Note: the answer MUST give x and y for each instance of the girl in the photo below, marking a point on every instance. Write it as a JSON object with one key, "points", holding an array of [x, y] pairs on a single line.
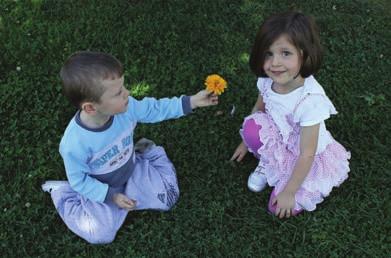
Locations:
{"points": [[286, 130]]}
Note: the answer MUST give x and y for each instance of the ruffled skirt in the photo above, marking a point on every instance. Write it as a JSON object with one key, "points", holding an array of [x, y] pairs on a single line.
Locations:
{"points": [[329, 169]]}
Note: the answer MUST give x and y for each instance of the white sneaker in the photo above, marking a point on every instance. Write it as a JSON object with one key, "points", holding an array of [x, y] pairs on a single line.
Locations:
{"points": [[257, 180], [49, 186], [143, 145]]}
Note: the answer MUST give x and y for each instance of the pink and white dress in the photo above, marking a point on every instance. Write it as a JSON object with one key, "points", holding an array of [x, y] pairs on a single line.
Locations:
{"points": [[279, 136]]}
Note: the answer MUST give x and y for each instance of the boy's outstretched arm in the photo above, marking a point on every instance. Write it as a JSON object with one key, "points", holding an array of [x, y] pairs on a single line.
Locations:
{"points": [[151, 110], [203, 99]]}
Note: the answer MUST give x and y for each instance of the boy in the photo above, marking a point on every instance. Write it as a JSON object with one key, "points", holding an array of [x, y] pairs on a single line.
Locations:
{"points": [[107, 174]]}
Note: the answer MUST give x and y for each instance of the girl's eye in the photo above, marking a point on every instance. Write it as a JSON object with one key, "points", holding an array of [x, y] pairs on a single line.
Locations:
{"points": [[286, 53], [268, 54]]}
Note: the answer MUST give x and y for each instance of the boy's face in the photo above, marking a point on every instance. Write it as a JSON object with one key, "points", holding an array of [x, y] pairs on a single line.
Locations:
{"points": [[114, 100]]}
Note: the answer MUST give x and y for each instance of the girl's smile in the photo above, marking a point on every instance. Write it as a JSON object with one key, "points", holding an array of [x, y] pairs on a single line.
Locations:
{"points": [[277, 73]]}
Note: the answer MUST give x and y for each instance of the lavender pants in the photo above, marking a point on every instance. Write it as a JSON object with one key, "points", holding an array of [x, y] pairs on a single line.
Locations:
{"points": [[153, 185]]}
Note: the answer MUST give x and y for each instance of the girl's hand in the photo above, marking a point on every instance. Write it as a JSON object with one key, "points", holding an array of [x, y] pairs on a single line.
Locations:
{"points": [[240, 152], [203, 99], [124, 202], [285, 204]]}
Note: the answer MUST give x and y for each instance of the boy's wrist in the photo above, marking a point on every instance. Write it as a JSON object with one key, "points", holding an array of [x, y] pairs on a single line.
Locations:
{"points": [[110, 195], [186, 105], [193, 100]]}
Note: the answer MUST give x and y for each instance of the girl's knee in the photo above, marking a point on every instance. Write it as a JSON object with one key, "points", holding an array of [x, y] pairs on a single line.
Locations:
{"points": [[251, 135]]}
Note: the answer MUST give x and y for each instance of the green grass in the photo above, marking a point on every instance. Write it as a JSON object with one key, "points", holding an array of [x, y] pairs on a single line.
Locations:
{"points": [[168, 48]]}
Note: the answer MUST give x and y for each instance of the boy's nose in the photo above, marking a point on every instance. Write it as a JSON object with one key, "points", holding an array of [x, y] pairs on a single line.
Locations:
{"points": [[126, 93]]}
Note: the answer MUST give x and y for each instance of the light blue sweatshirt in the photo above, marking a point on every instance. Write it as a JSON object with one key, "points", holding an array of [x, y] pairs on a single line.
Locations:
{"points": [[108, 152]]}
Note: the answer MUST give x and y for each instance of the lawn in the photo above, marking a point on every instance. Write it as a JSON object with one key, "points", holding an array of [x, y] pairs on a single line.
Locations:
{"points": [[168, 48]]}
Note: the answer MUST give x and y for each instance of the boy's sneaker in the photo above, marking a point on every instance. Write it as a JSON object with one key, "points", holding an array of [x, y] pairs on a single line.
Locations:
{"points": [[257, 180], [49, 186], [143, 145]]}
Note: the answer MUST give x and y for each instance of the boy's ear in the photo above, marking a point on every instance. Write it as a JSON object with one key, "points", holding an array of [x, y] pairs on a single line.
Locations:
{"points": [[88, 107]]}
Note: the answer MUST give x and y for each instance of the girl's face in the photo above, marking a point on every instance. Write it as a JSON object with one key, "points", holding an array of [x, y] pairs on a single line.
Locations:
{"points": [[282, 64]]}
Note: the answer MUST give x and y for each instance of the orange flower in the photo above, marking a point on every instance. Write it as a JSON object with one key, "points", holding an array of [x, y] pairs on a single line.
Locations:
{"points": [[215, 83]]}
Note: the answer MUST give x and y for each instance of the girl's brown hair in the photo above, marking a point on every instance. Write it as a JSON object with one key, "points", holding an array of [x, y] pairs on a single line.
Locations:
{"points": [[301, 31]]}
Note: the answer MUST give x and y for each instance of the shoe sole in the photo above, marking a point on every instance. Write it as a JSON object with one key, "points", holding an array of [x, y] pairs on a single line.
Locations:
{"points": [[254, 188], [49, 186]]}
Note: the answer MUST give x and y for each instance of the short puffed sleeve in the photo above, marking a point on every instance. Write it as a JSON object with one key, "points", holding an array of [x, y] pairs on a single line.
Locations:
{"points": [[262, 85], [313, 109]]}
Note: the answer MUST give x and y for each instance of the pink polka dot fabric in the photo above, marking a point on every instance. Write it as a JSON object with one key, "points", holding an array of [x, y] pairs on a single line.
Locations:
{"points": [[329, 169]]}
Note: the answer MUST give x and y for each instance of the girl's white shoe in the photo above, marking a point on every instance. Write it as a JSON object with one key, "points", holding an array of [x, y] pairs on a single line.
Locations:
{"points": [[257, 180], [49, 186]]}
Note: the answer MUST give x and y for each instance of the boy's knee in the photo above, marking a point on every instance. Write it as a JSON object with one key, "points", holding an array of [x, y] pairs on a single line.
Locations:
{"points": [[105, 238], [171, 204], [171, 198], [96, 231]]}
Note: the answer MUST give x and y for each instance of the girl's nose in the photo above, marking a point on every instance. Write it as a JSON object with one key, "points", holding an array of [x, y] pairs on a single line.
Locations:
{"points": [[275, 61]]}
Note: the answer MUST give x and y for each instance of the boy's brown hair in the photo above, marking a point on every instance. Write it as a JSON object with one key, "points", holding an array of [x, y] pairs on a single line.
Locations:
{"points": [[301, 31], [83, 73]]}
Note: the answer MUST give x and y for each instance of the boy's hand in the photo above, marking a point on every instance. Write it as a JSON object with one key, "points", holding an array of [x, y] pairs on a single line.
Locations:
{"points": [[124, 202], [240, 152], [203, 99]]}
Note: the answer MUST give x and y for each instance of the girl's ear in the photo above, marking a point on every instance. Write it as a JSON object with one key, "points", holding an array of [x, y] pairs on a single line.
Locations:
{"points": [[88, 107]]}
